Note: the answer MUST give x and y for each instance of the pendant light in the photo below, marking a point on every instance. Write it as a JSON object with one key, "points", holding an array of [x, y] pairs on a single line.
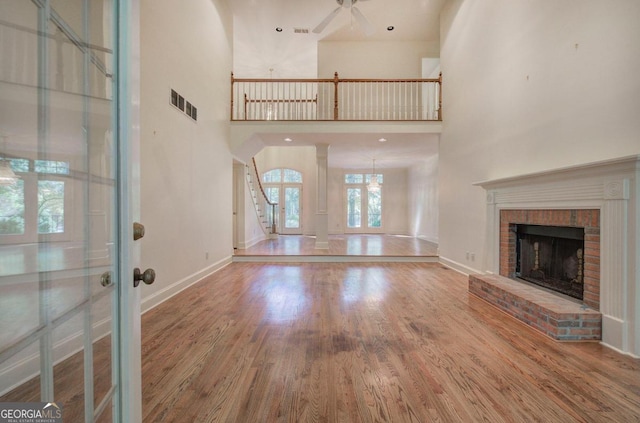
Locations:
{"points": [[373, 185], [7, 175]]}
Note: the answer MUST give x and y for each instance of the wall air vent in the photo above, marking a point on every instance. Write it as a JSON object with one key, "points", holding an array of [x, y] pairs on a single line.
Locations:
{"points": [[183, 105], [301, 30]]}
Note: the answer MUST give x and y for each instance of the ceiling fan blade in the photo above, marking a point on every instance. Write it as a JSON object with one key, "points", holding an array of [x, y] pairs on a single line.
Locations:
{"points": [[362, 21], [318, 29]]}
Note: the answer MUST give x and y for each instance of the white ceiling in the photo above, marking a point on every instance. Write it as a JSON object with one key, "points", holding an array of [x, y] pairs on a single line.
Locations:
{"points": [[357, 151], [260, 51], [412, 19]]}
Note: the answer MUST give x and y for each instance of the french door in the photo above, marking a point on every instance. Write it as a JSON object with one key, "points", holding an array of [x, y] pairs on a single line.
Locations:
{"points": [[68, 310], [363, 211], [288, 197]]}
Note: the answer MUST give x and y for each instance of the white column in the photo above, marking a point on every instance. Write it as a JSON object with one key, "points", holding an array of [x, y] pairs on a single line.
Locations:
{"points": [[614, 266], [491, 264], [322, 212]]}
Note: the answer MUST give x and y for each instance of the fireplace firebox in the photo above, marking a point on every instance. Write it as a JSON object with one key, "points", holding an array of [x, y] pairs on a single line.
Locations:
{"points": [[551, 257]]}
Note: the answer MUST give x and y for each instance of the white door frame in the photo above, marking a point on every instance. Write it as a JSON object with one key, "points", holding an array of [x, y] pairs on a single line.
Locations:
{"points": [[129, 363]]}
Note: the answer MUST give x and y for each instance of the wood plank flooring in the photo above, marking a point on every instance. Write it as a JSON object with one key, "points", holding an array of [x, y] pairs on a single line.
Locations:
{"points": [[337, 342], [343, 245]]}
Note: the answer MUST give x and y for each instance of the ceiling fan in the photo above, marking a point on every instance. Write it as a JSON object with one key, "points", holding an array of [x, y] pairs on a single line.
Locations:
{"points": [[355, 13]]}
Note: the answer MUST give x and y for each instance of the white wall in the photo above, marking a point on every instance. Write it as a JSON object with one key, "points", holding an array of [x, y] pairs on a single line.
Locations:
{"points": [[368, 59], [186, 166], [395, 213], [530, 86], [423, 200]]}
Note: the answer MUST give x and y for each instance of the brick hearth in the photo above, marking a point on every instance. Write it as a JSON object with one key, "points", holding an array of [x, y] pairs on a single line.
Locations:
{"points": [[561, 319]]}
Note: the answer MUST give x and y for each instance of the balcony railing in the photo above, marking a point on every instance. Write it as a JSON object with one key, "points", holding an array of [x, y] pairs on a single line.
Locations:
{"points": [[336, 99]]}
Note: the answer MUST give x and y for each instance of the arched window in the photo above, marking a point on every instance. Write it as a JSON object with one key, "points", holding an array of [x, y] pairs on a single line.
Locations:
{"points": [[287, 176]]}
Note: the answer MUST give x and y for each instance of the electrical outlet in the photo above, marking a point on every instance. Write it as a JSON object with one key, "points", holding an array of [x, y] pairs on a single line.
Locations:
{"points": [[467, 255], [206, 255], [473, 256]]}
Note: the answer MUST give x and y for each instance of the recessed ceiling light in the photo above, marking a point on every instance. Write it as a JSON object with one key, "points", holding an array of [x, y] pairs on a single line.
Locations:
{"points": [[382, 140], [278, 29], [288, 139], [391, 28]]}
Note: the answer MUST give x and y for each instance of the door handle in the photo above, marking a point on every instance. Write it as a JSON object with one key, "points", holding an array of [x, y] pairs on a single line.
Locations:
{"points": [[138, 231], [148, 276], [105, 279]]}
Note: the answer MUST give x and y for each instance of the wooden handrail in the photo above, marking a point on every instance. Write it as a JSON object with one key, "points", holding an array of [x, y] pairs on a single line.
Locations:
{"points": [[287, 99], [282, 100], [332, 80], [255, 168]]}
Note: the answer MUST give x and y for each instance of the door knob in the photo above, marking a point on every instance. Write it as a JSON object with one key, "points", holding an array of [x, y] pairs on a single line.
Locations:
{"points": [[138, 231], [148, 276], [105, 279]]}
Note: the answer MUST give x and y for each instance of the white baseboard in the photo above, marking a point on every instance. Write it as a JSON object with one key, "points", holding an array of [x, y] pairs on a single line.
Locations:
{"points": [[432, 241], [243, 245], [158, 297], [458, 267]]}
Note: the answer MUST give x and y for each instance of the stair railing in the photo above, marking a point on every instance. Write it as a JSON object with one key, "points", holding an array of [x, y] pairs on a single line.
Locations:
{"points": [[333, 99], [272, 217]]}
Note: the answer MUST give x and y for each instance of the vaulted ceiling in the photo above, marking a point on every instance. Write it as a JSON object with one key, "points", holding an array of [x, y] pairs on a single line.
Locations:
{"points": [[275, 38]]}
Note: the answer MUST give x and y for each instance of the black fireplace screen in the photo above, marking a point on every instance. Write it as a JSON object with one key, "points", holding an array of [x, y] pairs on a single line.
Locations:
{"points": [[552, 257]]}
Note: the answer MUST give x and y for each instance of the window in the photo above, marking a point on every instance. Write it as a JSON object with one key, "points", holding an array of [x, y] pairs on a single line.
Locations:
{"points": [[20, 165], [292, 176], [274, 175], [49, 166], [12, 209], [353, 178], [282, 175], [35, 205], [50, 207], [358, 178]]}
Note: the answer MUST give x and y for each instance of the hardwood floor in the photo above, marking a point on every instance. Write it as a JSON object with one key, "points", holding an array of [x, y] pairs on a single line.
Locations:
{"points": [[343, 245], [337, 342]]}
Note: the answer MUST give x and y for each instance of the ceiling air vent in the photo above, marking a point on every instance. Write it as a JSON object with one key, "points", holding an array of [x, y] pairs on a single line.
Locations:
{"points": [[301, 30]]}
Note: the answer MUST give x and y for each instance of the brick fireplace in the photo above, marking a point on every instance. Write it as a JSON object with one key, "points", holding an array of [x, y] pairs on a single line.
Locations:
{"points": [[603, 198], [588, 219]]}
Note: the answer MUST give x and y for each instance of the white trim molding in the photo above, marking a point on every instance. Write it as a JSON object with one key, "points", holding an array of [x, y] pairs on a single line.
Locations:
{"points": [[611, 186]]}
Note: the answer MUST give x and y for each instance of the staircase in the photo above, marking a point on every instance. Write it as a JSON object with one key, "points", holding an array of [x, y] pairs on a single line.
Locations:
{"points": [[268, 217]]}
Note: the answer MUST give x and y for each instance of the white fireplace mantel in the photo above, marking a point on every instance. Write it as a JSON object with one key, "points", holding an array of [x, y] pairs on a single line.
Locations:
{"points": [[611, 186]]}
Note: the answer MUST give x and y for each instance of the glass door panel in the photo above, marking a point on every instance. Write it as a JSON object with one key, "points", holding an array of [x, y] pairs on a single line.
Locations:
{"points": [[291, 210], [354, 208], [363, 210], [58, 219], [374, 209]]}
